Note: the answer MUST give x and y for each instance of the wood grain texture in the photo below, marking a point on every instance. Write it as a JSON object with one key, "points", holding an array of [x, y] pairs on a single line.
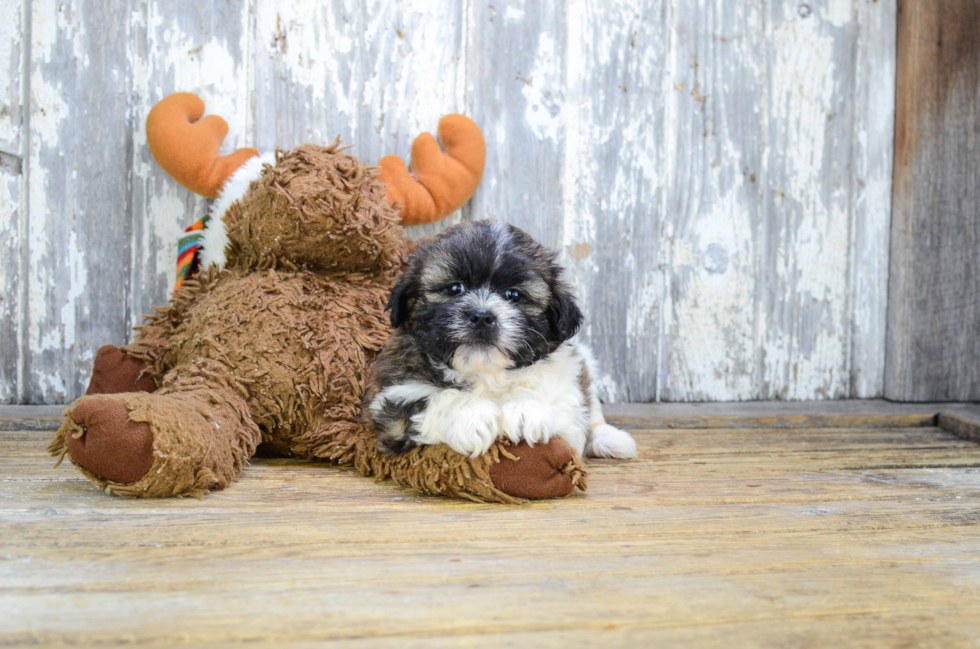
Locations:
{"points": [[713, 344], [714, 174], [78, 229], [750, 414], [713, 537], [769, 293], [962, 420], [614, 158], [869, 413], [12, 78], [934, 284], [804, 320], [47, 418], [873, 148], [965, 425], [515, 54]]}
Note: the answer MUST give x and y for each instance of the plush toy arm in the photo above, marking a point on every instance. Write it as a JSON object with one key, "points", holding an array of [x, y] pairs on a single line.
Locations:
{"points": [[440, 182]]}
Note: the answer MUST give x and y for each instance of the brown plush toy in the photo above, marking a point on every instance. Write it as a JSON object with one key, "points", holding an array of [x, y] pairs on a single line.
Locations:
{"points": [[270, 342]]}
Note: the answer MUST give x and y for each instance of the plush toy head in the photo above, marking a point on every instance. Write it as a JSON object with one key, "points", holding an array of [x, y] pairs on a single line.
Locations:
{"points": [[314, 207], [317, 208]]}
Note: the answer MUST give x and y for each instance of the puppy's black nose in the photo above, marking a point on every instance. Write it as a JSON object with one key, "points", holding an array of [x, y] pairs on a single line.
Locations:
{"points": [[482, 318]]}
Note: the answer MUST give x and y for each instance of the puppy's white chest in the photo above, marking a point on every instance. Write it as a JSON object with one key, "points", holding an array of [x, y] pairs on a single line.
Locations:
{"points": [[552, 380]]}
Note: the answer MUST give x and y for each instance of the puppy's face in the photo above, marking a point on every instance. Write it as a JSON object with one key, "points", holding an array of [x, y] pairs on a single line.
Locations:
{"points": [[484, 295]]}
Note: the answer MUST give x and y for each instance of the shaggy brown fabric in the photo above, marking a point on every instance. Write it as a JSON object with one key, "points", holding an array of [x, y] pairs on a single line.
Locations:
{"points": [[317, 209], [114, 371], [274, 348]]}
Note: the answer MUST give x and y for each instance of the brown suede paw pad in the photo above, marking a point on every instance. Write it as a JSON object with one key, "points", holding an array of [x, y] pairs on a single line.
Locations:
{"points": [[110, 445], [537, 472], [114, 372]]}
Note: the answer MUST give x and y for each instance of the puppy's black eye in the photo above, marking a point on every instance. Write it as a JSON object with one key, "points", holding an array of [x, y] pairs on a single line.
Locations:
{"points": [[456, 289], [513, 295]]}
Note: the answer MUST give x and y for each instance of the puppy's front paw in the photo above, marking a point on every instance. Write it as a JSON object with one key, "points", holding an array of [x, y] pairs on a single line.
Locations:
{"points": [[528, 419], [609, 441], [470, 426]]}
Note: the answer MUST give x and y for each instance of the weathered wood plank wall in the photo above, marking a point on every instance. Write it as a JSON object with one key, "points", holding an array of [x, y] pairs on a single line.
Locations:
{"points": [[12, 176], [716, 173], [934, 313]]}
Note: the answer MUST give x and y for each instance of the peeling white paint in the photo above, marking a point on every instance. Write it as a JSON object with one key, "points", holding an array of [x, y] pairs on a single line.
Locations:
{"points": [[50, 112], [193, 61], [166, 233], [78, 282], [809, 184], [311, 46], [53, 26], [717, 179], [611, 173], [579, 169], [839, 13], [542, 90], [52, 384], [874, 102], [9, 283], [513, 14], [410, 76], [55, 284], [642, 310], [10, 76], [11, 193], [51, 19]]}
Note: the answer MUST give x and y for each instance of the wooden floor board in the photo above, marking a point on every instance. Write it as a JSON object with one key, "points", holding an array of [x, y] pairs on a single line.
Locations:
{"points": [[793, 536]]}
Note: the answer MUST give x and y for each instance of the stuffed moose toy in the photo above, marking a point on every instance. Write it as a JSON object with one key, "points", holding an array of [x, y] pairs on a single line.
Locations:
{"points": [[270, 341]]}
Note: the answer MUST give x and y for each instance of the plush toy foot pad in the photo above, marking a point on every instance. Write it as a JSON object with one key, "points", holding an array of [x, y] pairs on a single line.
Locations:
{"points": [[114, 372], [108, 444], [543, 471]]}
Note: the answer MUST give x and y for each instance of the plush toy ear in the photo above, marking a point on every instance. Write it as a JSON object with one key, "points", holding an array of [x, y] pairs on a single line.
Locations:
{"points": [[406, 288], [440, 183], [565, 316]]}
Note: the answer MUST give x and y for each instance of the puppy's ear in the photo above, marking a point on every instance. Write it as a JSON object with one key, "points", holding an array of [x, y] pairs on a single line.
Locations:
{"points": [[406, 288], [565, 316]]}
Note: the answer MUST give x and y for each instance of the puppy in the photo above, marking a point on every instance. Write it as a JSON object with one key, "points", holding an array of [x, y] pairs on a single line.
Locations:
{"points": [[482, 347]]}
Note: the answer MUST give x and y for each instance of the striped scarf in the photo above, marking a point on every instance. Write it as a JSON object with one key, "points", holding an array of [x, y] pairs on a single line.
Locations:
{"points": [[188, 250]]}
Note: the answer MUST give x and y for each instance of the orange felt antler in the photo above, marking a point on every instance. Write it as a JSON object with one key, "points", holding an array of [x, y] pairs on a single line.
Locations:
{"points": [[440, 183], [187, 147]]}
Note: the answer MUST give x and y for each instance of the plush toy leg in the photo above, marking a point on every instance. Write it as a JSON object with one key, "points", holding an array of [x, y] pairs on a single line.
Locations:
{"points": [[114, 371], [180, 441], [507, 474], [549, 470]]}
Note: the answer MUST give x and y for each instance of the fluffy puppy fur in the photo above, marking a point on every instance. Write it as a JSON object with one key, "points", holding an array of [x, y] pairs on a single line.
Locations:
{"points": [[482, 347]]}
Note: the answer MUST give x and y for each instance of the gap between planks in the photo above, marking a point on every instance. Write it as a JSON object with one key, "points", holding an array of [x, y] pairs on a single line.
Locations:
{"points": [[961, 419]]}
